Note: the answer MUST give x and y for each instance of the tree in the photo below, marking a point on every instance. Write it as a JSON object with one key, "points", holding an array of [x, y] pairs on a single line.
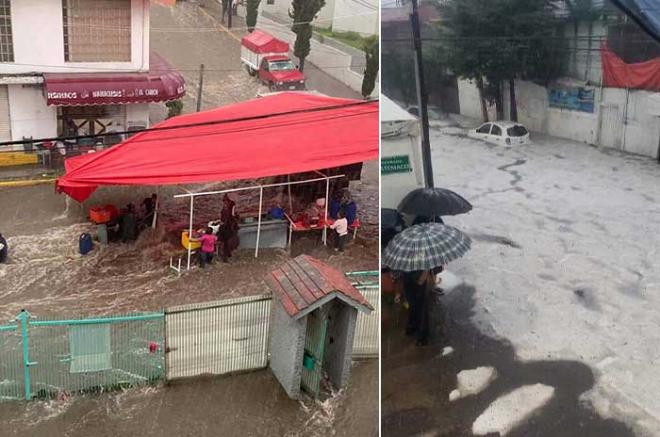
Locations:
{"points": [[252, 11], [371, 48], [174, 108], [499, 41], [303, 13]]}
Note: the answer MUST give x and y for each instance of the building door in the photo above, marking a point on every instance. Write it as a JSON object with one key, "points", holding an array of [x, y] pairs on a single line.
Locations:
{"points": [[5, 123], [611, 126], [91, 120], [312, 370]]}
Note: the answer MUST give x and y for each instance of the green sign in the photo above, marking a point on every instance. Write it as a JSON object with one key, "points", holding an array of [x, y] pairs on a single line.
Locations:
{"points": [[395, 164]]}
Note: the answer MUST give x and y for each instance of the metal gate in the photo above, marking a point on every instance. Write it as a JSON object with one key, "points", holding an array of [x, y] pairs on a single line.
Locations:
{"points": [[611, 126], [51, 359], [312, 371], [11, 364], [218, 337]]}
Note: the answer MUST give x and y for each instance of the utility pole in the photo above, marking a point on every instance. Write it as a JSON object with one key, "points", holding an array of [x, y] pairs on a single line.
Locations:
{"points": [[231, 6], [199, 90], [422, 97]]}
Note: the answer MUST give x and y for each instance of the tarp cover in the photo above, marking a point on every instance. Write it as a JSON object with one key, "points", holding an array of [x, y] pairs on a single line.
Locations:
{"points": [[261, 42], [645, 13], [309, 138], [618, 74]]}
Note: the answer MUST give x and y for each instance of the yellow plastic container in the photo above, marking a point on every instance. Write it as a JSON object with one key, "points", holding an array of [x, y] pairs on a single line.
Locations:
{"points": [[185, 241]]}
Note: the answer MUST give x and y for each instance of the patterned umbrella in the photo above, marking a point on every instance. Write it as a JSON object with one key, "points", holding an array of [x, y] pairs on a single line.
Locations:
{"points": [[425, 246], [432, 202]]}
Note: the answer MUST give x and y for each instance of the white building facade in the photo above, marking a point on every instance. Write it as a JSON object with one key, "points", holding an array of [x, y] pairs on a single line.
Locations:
{"points": [[78, 67]]}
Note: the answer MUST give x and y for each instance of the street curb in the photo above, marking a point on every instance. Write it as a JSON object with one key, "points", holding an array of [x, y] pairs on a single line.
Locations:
{"points": [[26, 183]]}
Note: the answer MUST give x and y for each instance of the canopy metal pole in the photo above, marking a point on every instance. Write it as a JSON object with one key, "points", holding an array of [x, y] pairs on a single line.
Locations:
{"points": [[156, 207], [288, 179], [261, 198], [325, 221], [192, 205]]}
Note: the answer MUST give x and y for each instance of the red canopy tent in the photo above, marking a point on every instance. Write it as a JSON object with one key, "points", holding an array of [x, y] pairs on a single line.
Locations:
{"points": [[262, 42], [279, 134]]}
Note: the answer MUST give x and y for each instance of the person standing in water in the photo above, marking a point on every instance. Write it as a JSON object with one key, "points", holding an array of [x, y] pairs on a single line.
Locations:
{"points": [[4, 249], [228, 232]]}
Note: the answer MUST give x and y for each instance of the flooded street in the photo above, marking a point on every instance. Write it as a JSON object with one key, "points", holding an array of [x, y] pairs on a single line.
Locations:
{"points": [[560, 296], [251, 404], [46, 275]]}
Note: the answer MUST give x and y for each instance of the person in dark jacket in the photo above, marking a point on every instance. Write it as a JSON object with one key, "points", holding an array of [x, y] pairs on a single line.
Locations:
{"points": [[418, 286], [4, 249], [128, 223], [350, 207], [423, 219]]}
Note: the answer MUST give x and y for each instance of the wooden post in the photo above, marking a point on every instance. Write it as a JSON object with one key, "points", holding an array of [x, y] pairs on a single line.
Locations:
{"points": [[199, 89]]}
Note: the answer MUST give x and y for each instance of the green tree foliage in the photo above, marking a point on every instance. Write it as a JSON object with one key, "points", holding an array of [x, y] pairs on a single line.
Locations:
{"points": [[371, 48], [398, 72], [174, 108], [252, 11], [498, 41], [303, 12]]}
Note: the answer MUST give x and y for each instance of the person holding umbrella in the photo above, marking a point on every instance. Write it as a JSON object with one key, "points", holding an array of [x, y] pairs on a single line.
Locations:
{"points": [[429, 204], [420, 252]]}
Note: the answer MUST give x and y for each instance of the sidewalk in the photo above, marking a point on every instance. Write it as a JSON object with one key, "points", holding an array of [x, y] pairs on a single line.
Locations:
{"points": [[25, 175]]}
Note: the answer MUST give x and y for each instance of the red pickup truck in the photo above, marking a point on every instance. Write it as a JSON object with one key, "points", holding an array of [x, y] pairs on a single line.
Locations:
{"points": [[268, 58], [280, 74]]}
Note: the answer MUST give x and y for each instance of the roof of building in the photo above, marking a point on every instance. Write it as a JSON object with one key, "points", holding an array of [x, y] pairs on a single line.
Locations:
{"points": [[305, 283]]}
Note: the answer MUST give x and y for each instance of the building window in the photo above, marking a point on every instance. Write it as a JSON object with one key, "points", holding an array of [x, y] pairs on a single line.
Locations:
{"points": [[270, 2], [97, 30], [6, 40]]}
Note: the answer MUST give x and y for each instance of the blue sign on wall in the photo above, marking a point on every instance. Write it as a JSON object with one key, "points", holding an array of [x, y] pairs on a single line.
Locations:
{"points": [[575, 98]]}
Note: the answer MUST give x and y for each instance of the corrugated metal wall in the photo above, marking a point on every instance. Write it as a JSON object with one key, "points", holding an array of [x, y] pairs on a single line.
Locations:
{"points": [[366, 343], [217, 337]]}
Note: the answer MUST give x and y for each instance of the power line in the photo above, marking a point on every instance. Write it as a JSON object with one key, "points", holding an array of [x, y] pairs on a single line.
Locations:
{"points": [[184, 126]]}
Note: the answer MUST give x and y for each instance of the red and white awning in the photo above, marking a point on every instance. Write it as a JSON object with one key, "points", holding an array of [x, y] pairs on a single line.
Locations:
{"points": [[160, 84]]}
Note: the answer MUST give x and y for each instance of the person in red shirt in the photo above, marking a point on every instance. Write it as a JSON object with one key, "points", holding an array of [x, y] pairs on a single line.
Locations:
{"points": [[207, 250]]}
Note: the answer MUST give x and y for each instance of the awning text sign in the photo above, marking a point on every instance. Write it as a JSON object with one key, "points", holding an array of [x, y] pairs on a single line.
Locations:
{"points": [[395, 164]]}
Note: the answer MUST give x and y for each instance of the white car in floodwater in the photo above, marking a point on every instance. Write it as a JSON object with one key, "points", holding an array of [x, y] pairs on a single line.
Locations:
{"points": [[507, 133]]}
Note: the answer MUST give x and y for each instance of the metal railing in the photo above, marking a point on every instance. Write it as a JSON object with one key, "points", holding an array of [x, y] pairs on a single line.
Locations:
{"points": [[50, 359]]}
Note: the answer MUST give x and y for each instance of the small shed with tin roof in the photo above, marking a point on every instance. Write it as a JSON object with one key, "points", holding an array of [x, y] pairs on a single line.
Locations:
{"points": [[313, 324]]}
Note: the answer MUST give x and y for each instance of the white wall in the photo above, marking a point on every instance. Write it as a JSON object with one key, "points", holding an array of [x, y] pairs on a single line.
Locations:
{"points": [[138, 114], [39, 39], [354, 16], [636, 113], [400, 184], [30, 117], [584, 61]]}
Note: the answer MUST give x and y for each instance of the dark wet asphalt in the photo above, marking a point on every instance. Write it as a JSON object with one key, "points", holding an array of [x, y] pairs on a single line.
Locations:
{"points": [[416, 382]]}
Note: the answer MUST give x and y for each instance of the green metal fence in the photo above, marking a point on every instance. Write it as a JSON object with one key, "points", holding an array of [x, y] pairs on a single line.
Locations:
{"points": [[11, 364], [50, 359]]}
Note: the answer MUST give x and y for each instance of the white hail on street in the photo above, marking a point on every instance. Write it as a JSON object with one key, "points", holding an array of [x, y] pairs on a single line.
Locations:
{"points": [[507, 133]]}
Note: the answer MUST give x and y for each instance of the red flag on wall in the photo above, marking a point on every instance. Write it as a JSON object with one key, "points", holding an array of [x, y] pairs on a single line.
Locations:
{"points": [[618, 74]]}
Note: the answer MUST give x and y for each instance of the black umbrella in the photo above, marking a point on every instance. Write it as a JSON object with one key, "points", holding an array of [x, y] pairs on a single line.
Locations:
{"points": [[433, 202]]}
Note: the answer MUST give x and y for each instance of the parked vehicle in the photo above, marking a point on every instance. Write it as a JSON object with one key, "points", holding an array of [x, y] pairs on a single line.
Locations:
{"points": [[268, 58], [280, 74], [507, 133]]}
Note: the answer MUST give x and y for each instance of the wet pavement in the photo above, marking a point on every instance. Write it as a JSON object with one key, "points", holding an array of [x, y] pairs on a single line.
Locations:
{"points": [[190, 34], [417, 382], [251, 404], [563, 279]]}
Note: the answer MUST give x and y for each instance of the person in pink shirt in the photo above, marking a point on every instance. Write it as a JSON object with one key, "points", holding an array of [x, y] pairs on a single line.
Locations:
{"points": [[207, 250]]}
